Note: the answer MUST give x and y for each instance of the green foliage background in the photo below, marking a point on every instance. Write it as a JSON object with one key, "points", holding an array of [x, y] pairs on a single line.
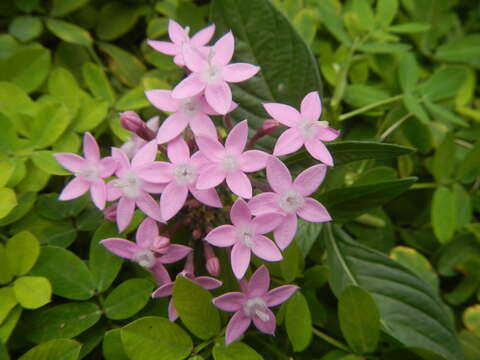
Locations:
{"points": [[397, 276]]}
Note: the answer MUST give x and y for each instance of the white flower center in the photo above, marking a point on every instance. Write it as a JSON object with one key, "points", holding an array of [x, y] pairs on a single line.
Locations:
{"points": [[144, 257], [184, 174], [230, 163], [130, 184], [256, 307], [212, 73], [190, 106], [290, 201], [247, 236], [89, 173], [307, 128]]}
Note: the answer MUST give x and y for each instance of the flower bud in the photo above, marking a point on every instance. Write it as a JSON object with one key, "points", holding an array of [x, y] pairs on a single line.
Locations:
{"points": [[110, 212], [196, 234], [160, 244], [213, 266], [131, 121], [269, 126]]}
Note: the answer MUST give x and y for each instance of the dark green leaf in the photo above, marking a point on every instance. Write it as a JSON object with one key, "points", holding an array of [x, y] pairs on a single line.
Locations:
{"points": [[25, 28], [444, 160], [116, 19], [298, 322], [306, 235], [58, 349], [444, 83], [465, 50], [50, 207], [441, 113], [471, 345], [443, 214], [64, 7], [386, 11], [470, 166], [69, 32], [128, 68], [407, 72], [235, 351], [127, 299], [413, 105], [112, 346]]}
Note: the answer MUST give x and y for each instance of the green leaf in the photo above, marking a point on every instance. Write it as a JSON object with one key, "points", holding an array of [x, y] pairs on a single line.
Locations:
{"points": [[305, 24], [68, 142], [444, 83], [46, 161], [441, 113], [49, 125], [413, 105], [98, 82], [112, 346], [116, 19], [306, 235], [347, 203], [466, 50], [25, 203], [69, 32], [423, 322], [471, 345], [444, 160], [50, 207], [384, 48], [157, 27], [471, 319], [9, 324], [8, 301], [133, 99], [104, 266], [257, 26], [298, 322], [8, 136], [290, 264], [443, 214], [63, 87], [360, 95], [25, 28], [22, 252], [195, 308], [127, 299], [61, 321], [386, 11], [407, 72], [463, 205], [65, 7], [9, 201], [32, 292], [409, 28], [359, 319], [68, 274], [469, 167], [91, 115], [365, 14], [235, 351], [333, 21], [58, 349], [154, 337], [7, 167]]}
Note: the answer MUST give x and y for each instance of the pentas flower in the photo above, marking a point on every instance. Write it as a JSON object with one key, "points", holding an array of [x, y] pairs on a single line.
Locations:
{"points": [[305, 129], [193, 111], [180, 40], [136, 142], [179, 178], [150, 250], [246, 236], [253, 304], [290, 198], [213, 73], [89, 172], [130, 188], [230, 162]]}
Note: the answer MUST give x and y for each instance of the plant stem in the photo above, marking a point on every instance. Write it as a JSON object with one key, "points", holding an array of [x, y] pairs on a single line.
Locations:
{"points": [[369, 107], [394, 126], [330, 340], [423, 186]]}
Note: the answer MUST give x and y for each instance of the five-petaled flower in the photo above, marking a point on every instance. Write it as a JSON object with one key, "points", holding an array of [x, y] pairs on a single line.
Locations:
{"points": [[253, 304]]}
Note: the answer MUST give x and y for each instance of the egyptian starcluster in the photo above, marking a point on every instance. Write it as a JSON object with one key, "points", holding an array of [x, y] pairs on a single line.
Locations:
{"points": [[200, 163]]}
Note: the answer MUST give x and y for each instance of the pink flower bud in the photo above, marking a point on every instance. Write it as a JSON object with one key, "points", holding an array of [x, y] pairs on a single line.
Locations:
{"points": [[110, 212], [213, 266], [160, 244], [269, 126], [131, 121]]}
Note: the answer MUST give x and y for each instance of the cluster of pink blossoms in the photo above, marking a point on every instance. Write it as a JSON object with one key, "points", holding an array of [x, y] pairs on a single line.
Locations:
{"points": [[198, 162]]}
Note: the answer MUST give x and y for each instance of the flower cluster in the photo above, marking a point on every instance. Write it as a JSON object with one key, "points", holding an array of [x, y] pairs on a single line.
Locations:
{"points": [[185, 155]]}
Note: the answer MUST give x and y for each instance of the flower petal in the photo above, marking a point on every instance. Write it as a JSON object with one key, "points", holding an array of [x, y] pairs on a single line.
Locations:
{"points": [[172, 127], [99, 194], [155, 172], [153, 188], [90, 147], [203, 36], [222, 236], [240, 213], [285, 114], [160, 273], [172, 312], [237, 138], [208, 197], [190, 86], [201, 124], [223, 49], [120, 247], [194, 58], [178, 150], [232, 301], [146, 154], [174, 253], [239, 72], [267, 326], [285, 232], [172, 200], [219, 97], [279, 295], [75, 188], [164, 47], [327, 134], [266, 223], [146, 232], [210, 148], [107, 166], [125, 209], [123, 163], [259, 282], [265, 249], [311, 106], [149, 206], [240, 259], [162, 100], [237, 325], [240, 184], [263, 203], [208, 282], [176, 32], [278, 175], [310, 179], [210, 177], [253, 160], [71, 162], [319, 151], [313, 211], [113, 192], [288, 142], [164, 290]]}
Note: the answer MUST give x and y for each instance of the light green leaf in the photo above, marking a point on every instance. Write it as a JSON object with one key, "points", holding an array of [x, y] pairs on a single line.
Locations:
{"points": [[333, 21], [413, 105], [409, 28], [306, 25], [64, 88], [32, 292], [195, 308], [112, 346], [235, 351], [34, 180], [98, 82], [441, 113], [7, 167], [443, 214], [463, 205], [127, 299], [154, 337], [25, 203], [360, 95], [116, 19], [49, 125], [64, 7], [298, 322], [9, 324], [365, 14], [69, 32], [68, 274], [407, 72], [157, 27], [471, 319], [8, 45], [384, 48], [68, 142], [22, 252], [386, 11], [471, 345], [469, 168], [25, 28], [444, 160], [290, 264], [444, 83], [91, 115], [45, 160], [8, 203], [8, 301], [466, 50], [133, 99], [58, 349]]}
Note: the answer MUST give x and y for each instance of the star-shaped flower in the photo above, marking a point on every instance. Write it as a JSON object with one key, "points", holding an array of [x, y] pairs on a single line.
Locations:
{"points": [[89, 172], [230, 163], [253, 304], [305, 129], [246, 236], [213, 73]]}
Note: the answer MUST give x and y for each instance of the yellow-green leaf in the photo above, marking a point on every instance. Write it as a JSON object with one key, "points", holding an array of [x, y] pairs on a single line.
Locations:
{"points": [[32, 292]]}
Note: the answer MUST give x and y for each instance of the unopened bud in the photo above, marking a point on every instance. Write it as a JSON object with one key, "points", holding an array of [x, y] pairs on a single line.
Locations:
{"points": [[131, 121], [110, 212], [160, 244], [196, 234], [213, 266], [269, 126]]}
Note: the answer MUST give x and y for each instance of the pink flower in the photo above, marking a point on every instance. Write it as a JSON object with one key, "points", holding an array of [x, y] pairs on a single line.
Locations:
{"points": [[305, 129], [246, 236], [136, 142], [130, 187], [150, 249], [290, 198], [252, 304], [179, 177], [212, 73], [89, 172], [230, 163], [166, 289], [180, 40], [191, 111]]}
